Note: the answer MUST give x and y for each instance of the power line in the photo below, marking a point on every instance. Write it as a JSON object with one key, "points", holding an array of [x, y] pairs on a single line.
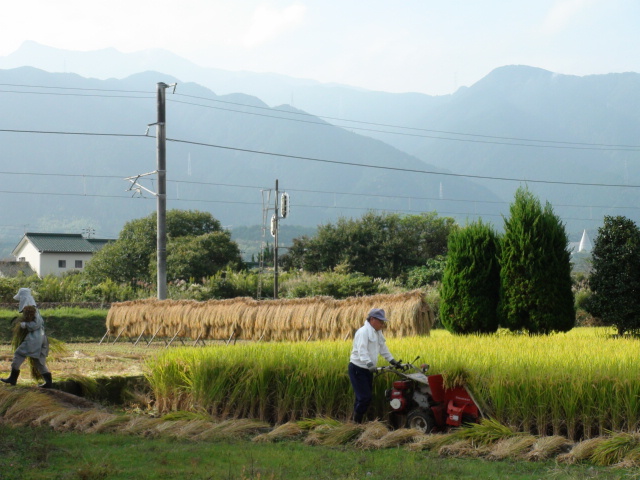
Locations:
{"points": [[397, 169], [477, 138], [402, 127], [335, 162], [74, 88], [91, 134], [230, 202], [75, 94], [325, 192]]}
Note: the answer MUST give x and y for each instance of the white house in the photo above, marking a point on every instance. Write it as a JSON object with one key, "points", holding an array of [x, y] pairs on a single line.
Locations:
{"points": [[56, 253]]}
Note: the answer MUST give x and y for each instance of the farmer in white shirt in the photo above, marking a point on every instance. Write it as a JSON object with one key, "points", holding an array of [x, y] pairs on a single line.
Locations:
{"points": [[35, 343], [368, 343]]}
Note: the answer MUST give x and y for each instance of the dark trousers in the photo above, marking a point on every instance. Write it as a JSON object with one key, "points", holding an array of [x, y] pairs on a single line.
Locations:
{"points": [[362, 383]]}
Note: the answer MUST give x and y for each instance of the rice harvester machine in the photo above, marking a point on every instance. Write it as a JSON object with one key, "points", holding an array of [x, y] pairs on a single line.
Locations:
{"points": [[422, 402]]}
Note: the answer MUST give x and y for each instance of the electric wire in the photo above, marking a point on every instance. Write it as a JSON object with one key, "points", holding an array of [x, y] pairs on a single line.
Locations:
{"points": [[539, 143], [320, 160], [557, 145], [363, 122], [301, 190], [332, 207], [398, 169]]}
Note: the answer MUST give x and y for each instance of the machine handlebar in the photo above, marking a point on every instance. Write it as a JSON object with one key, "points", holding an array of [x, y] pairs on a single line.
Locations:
{"points": [[399, 368]]}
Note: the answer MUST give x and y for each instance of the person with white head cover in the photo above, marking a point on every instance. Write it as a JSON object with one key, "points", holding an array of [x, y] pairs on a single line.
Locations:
{"points": [[368, 343], [35, 343]]}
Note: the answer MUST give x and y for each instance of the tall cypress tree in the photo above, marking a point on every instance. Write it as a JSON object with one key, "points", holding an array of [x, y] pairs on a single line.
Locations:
{"points": [[535, 269], [615, 281], [469, 292]]}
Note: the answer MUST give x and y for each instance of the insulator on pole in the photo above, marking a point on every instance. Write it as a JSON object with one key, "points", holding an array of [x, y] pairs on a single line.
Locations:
{"points": [[284, 205]]}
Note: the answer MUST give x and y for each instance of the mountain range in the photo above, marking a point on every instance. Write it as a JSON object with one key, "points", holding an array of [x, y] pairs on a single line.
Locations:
{"points": [[567, 138]]}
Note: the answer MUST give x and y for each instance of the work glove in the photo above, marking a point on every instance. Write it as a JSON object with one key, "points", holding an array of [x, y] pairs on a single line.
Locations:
{"points": [[395, 362], [371, 367], [23, 324]]}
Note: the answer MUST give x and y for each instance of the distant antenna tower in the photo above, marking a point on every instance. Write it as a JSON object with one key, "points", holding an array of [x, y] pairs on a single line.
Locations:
{"points": [[189, 165], [89, 232], [441, 195]]}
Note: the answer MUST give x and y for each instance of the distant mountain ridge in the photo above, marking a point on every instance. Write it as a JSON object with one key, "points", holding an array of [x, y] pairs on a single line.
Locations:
{"points": [[223, 154], [546, 130]]}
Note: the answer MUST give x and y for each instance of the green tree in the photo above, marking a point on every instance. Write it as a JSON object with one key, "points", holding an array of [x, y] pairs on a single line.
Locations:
{"points": [[427, 274], [535, 269], [130, 258], [471, 284], [201, 256], [615, 280], [376, 245]]}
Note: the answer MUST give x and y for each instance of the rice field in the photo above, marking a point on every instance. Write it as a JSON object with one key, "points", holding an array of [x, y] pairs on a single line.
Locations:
{"points": [[579, 384]]}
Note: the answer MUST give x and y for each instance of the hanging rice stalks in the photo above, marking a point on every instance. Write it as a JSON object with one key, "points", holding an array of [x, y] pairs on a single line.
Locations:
{"points": [[303, 319]]}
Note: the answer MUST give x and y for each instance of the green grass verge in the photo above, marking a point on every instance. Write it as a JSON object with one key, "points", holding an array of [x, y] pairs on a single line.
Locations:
{"points": [[66, 324], [37, 454]]}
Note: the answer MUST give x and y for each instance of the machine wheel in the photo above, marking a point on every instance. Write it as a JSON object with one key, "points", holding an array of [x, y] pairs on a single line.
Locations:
{"points": [[421, 420]]}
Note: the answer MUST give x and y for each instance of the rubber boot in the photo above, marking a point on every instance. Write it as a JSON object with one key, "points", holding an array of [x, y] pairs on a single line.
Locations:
{"points": [[358, 417], [13, 378], [47, 381]]}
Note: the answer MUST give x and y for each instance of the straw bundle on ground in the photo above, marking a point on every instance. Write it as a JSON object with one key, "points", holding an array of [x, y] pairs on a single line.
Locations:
{"points": [[317, 318], [286, 430], [373, 432], [512, 447], [547, 447]]}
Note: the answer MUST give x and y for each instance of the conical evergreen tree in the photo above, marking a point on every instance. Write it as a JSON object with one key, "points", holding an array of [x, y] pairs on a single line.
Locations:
{"points": [[469, 292], [535, 269], [615, 281]]}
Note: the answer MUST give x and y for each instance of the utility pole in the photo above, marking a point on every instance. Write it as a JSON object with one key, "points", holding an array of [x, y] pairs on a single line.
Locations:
{"points": [[275, 247], [161, 142], [280, 211], [161, 194]]}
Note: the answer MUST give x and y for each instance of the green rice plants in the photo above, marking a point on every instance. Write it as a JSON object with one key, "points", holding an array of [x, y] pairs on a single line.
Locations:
{"points": [[576, 384]]}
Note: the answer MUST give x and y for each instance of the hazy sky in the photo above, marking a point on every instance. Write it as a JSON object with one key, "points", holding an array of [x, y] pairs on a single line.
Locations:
{"points": [[425, 46]]}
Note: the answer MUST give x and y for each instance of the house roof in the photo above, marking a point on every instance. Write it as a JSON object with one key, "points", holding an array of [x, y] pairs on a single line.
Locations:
{"points": [[11, 268], [61, 243]]}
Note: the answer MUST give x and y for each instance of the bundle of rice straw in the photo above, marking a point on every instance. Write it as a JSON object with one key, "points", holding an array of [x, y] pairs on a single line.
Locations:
{"points": [[397, 437], [316, 318], [286, 430], [372, 432], [512, 447], [547, 447]]}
